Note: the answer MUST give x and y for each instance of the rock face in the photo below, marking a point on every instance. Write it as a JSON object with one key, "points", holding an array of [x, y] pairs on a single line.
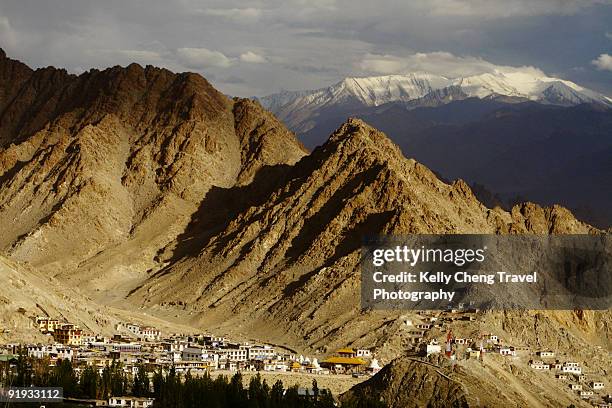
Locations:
{"points": [[524, 138], [288, 252], [100, 171]]}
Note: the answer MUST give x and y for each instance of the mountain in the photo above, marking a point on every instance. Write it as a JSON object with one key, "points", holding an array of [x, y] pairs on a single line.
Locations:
{"points": [[281, 262], [135, 193], [301, 110], [286, 248], [437, 382], [521, 137], [527, 151], [407, 382], [118, 160]]}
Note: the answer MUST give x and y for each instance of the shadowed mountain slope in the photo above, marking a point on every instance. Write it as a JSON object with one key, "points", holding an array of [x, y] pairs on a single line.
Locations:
{"points": [[289, 253], [100, 171]]}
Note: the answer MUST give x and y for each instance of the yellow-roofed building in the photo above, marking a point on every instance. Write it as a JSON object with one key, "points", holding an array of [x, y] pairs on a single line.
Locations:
{"points": [[345, 361], [346, 352]]}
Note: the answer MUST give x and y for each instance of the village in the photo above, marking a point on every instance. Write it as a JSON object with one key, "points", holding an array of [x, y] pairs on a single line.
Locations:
{"points": [[569, 374], [134, 346]]}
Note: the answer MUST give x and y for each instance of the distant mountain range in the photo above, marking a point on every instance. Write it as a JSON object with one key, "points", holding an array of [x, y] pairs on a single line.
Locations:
{"points": [[519, 136], [300, 108]]}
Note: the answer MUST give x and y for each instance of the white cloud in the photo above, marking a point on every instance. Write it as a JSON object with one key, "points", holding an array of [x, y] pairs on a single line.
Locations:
{"points": [[8, 35], [603, 62], [141, 54], [306, 43], [252, 57], [197, 58], [506, 8], [248, 14], [441, 63]]}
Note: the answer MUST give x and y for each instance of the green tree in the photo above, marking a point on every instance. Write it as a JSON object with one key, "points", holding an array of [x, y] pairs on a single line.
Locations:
{"points": [[236, 394], [276, 394], [64, 376], [89, 383], [23, 370], [140, 387], [315, 390]]}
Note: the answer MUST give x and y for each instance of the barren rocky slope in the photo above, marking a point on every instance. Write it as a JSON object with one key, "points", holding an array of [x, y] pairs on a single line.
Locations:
{"points": [[438, 382], [100, 171], [288, 253], [26, 293], [412, 383]]}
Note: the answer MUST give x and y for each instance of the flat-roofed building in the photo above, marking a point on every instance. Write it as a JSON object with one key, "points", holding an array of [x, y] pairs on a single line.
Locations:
{"points": [[68, 334]]}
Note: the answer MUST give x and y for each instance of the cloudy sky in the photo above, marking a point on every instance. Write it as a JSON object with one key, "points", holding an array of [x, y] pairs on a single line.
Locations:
{"points": [[259, 47]]}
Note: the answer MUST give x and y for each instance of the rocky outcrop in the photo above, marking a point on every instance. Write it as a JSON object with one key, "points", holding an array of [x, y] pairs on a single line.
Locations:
{"points": [[409, 382], [100, 171]]}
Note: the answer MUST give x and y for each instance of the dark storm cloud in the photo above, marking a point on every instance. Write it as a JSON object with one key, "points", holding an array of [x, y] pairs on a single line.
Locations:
{"points": [[295, 44]]}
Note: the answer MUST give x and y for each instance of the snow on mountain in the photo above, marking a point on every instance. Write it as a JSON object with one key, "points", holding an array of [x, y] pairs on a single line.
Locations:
{"points": [[378, 90], [275, 101], [374, 91], [368, 91]]}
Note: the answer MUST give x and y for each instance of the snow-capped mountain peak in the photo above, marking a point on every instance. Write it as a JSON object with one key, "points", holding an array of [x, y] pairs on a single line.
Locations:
{"points": [[378, 90]]}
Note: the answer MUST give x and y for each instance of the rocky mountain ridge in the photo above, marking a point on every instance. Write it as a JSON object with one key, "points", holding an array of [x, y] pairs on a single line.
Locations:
{"points": [[291, 256], [120, 159]]}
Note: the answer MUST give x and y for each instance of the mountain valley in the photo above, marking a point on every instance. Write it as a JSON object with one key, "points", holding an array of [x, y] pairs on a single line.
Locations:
{"points": [[137, 193]]}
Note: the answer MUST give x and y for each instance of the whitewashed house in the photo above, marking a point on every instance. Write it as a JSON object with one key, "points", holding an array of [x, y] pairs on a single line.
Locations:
{"points": [[597, 385]]}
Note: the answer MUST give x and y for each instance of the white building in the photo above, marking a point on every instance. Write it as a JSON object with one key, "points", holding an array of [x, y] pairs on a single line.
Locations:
{"points": [[193, 354], [150, 333], [173, 346], [545, 354], [597, 385], [586, 394], [132, 327], [130, 347], [374, 367], [234, 354], [539, 365], [261, 352], [571, 368], [58, 351], [507, 351], [131, 402], [364, 353], [433, 348], [142, 332]]}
